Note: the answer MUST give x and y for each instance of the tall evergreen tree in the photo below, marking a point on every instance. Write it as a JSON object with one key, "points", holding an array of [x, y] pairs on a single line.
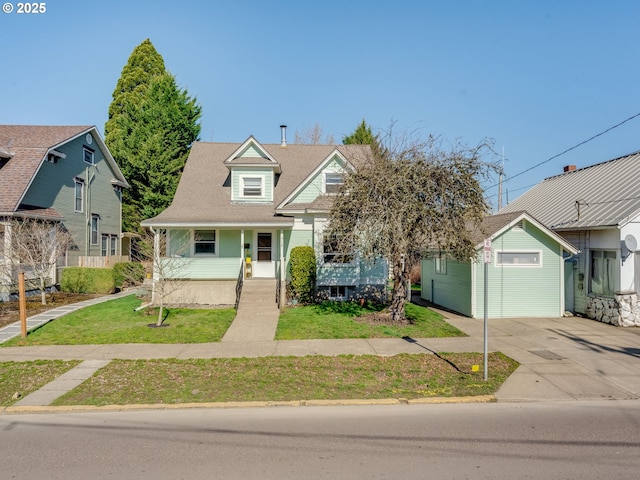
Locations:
{"points": [[362, 135], [151, 126]]}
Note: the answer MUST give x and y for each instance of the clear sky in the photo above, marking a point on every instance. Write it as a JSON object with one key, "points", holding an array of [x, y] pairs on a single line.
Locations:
{"points": [[537, 77]]}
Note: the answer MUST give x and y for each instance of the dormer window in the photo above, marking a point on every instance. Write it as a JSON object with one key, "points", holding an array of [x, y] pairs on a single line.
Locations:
{"points": [[252, 187], [333, 182]]}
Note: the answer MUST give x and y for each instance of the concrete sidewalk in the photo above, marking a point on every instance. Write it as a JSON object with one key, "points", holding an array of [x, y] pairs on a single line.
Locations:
{"points": [[561, 358]]}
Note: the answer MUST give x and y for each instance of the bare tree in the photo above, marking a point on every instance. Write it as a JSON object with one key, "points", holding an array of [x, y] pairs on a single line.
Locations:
{"points": [[35, 247], [170, 257], [409, 196], [313, 136]]}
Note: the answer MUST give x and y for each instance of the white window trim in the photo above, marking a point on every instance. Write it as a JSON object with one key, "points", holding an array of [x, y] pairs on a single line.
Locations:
{"points": [[324, 181], [262, 195], [440, 267], [216, 243], [86, 150], [518, 265], [97, 230], [76, 182]]}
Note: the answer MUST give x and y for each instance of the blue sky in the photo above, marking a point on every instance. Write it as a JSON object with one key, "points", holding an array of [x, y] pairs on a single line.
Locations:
{"points": [[537, 77]]}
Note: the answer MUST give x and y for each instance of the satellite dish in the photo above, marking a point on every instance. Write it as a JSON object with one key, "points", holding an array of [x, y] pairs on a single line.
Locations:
{"points": [[631, 243]]}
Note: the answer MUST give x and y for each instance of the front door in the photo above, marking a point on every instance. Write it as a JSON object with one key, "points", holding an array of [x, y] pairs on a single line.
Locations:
{"points": [[264, 265]]}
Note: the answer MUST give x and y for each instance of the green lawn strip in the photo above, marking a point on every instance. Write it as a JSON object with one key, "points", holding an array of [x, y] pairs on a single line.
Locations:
{"points": [[24, 378], [332, 320], [115, 321], [289, 378]]}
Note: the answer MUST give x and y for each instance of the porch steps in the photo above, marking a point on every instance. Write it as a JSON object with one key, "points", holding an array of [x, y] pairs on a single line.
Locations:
{"points": [[257, 316]]}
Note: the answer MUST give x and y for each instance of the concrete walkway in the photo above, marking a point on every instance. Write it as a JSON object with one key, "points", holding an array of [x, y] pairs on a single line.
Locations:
{"points": [[561, 358], [257, 316]]}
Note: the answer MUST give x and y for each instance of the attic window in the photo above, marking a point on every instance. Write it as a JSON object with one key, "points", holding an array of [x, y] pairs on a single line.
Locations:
{"points": [[87, 155], [333, 182]]}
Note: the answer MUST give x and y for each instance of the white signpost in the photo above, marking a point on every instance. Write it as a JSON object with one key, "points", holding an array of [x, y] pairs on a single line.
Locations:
{"points": [[487, 261]]}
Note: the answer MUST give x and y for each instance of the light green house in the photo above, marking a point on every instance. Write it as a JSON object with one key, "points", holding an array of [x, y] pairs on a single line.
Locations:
{"points": [[61, 174], [239, 210], [525, 270]]}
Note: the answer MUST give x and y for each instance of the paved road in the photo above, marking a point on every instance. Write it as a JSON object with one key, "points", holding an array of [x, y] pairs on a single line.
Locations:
{"points": [[554, 440]]}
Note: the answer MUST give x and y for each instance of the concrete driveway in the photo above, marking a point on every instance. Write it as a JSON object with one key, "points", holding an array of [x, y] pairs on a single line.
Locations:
{"points": [[569, 358]]}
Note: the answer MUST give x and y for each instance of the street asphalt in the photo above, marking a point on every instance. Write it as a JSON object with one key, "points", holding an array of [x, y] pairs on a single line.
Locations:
{"points": [[568, 358]]}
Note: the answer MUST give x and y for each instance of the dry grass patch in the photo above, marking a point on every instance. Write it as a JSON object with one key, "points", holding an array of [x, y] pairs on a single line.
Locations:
{"points": [[19, 379], [290, 378]]}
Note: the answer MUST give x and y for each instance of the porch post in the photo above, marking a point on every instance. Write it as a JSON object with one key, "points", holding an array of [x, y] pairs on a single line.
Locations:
{"points": [[242, 259], [282, 272]]}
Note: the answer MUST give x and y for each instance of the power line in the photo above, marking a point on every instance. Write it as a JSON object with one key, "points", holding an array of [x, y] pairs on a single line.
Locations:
{"points": [[569, 149]]}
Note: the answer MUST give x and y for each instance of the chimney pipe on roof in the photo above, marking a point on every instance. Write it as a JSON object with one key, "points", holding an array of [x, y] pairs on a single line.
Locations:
{"points": [[569, 168], [283, 135]]}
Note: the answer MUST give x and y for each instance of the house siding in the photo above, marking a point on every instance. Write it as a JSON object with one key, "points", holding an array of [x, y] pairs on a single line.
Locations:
{"points": [[452, 289], [527, 291], [54, 187], [237, 173], [314, 187]]}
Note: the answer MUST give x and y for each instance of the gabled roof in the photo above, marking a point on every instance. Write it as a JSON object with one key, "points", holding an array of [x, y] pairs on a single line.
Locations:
{"points": [[495, 225], [203, 196], [265, 159], [600, 196], [313, 174], [27, 146]]}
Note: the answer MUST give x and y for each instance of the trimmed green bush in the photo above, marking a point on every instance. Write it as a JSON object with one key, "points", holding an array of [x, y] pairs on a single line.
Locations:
{"points": [[87, 280], [128, 274], [303, 274]]}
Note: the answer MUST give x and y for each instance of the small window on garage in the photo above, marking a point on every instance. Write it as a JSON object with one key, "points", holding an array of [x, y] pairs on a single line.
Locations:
{"points": [[519, 259], [440, 263]]}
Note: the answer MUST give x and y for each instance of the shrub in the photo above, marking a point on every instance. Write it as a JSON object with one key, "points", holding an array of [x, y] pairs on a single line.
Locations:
{"points": [[303, 274], [128, 274], [87, 280]]}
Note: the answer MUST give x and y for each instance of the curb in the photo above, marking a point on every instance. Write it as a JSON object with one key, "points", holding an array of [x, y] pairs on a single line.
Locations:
{"points": [[15, 410]]}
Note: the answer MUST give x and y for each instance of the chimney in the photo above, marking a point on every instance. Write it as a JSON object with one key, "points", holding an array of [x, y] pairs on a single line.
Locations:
{"points": [[283, 135], [569, 168]]}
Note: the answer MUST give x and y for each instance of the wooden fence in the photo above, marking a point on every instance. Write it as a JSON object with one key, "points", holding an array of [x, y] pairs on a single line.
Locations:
{"points": [[101, 262]]}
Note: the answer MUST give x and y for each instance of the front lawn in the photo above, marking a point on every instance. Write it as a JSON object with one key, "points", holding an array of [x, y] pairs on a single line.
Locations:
{"points": [[116, 321], [19, 379], [348, 320], [173, 381]]}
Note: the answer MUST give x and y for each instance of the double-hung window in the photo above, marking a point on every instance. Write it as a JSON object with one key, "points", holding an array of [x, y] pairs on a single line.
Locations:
{"points": [[204, 242], [252, 187], [78, 195], [333, 182], [603, 272], [331, 254], [87, 155], [95, 220]]}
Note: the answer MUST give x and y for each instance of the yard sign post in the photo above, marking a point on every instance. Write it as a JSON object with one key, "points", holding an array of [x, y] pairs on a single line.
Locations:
{"points": [[487, 260]]}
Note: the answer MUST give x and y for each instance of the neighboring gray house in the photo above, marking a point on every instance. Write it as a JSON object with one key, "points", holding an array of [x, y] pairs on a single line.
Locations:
{"points": [[240, 208], [64, 174], [525, 272], [597, 210]]}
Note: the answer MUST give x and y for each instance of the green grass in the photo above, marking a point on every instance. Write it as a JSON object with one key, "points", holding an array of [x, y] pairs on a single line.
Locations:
{"points": [[338, 320], [116, 321], [173, 381], [22, 378]]}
